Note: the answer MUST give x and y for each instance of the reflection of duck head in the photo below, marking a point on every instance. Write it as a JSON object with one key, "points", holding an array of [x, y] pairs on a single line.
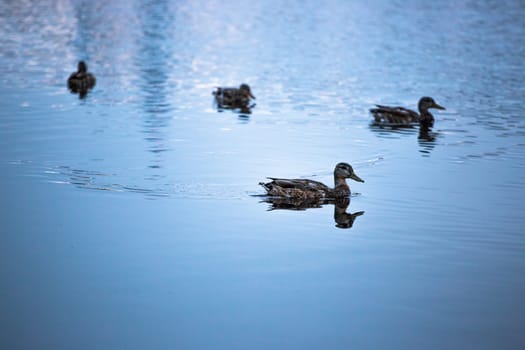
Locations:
{"points": [[305, 189], [425, 134], [341, 217], [426, 139]]}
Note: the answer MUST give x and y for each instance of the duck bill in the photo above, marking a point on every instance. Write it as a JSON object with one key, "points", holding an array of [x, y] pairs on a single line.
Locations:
{"points": [[250, 95], [356, 178], [436, 106]]}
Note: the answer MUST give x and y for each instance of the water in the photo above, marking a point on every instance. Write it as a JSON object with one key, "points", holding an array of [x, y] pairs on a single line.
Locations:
{"points": [[130, 218]]}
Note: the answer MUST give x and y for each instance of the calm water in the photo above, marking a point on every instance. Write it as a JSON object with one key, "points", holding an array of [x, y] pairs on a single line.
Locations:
{"points": [[130, 219]]}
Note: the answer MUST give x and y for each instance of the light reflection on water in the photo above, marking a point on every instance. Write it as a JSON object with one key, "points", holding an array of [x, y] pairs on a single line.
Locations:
{"points": [[438, 250]]}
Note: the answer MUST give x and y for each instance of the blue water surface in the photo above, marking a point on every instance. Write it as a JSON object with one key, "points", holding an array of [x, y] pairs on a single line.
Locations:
{"points": [[131, 219]]}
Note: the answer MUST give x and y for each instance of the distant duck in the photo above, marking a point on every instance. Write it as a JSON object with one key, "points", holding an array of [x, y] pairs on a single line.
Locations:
{"points": [[81, 81], [400, 116], [230, 97], [309, 189]]}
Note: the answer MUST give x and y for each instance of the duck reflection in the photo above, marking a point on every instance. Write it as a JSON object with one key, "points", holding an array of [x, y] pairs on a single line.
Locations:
{"points": [[392, 132], [426, 139], [342, 218], [426, 134]]}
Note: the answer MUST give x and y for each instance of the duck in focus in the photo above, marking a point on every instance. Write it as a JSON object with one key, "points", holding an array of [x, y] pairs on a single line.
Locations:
{"points": [[234, 98], [306, 189], [81, 81], [403, 117]]}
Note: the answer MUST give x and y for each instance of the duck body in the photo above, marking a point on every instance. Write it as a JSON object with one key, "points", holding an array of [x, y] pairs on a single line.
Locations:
{"points": [[299, 189], [305, 189], [81, 81], [404, 117], [233, 98], [394, 115]]}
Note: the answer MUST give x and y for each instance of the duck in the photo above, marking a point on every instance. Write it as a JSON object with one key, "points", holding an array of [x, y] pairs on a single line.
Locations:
{"points": [[81, 80], [306, 189], [400, 116], [231, 97]]}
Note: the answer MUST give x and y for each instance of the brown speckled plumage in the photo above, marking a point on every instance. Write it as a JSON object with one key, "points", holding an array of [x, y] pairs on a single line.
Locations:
{"points": [[400, 116], [309, 189]]}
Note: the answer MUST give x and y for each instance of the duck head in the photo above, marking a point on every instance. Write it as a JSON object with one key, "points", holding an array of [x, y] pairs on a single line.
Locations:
{"points": [[245, 89], [82, 67], [345, 170], [425, 103]]}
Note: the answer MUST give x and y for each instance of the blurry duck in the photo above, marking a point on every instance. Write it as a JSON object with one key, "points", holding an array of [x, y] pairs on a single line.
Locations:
{"points": [[310, 189], [400, 116], [81, 81], [230, 97]]}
